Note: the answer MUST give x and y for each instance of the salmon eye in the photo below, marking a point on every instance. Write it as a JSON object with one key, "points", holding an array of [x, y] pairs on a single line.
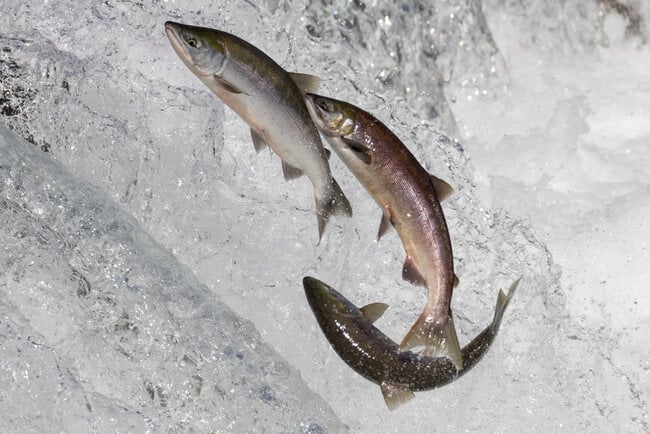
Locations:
{"points": [[193, 43], [324, 106]]}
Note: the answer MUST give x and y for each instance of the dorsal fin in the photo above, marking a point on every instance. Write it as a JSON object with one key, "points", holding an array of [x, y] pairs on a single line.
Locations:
{"points": [[306, 83], [290, 172], [442, 188], [373, 311]]}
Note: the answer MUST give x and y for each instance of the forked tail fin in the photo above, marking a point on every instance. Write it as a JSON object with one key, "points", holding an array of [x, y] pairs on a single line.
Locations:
{"points": [[335, 203], [438, 336], [502, 303]]}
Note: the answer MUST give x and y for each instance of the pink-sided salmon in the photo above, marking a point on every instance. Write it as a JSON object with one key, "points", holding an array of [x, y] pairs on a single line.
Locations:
{"points": [[409, 198]]}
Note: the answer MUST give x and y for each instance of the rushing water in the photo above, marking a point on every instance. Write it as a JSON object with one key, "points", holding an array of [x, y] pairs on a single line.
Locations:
{"points": [[118, 257]]}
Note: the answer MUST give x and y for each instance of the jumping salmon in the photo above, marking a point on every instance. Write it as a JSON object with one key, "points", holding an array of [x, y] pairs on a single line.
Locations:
{"points": [[269, 99], [409, 198], [378, 358]]}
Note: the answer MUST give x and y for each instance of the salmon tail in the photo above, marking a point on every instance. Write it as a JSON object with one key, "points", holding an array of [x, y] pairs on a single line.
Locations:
{"points": [[334, 202], [438, 336], [502, 303]]}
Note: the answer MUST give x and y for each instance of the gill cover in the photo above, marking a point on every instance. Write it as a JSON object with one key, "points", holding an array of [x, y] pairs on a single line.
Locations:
{"points": [[337, 119]]}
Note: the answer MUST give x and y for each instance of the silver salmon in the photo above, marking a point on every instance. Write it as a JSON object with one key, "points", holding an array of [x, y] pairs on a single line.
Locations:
{"points": [[378, 358], [409, 198], [269, 99]]}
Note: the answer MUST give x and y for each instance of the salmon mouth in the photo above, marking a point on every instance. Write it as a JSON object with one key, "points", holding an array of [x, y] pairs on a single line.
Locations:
{"points": [[323, 298], [171, 28], [173, 34]]}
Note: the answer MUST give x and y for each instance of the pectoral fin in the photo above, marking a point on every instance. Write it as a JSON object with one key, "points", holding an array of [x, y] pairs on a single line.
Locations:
{"points": [[258, 142], [306, 83], [373, 311], [227, 86], [411, 273], [359, 150], [290, 172], [443, 190], [396, 395]]}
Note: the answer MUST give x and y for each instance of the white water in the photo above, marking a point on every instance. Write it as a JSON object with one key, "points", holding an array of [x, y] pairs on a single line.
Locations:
{"points": [[551, 180]]}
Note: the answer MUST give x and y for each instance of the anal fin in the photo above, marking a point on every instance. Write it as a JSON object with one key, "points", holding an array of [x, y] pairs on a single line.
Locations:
{"points": [[258, 141], [290, 172], [411, 273], [396, 395]]}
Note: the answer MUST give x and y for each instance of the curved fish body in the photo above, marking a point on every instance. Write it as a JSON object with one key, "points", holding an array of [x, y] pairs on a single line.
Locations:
{"points": [[409, 198], [269, 99], [378, 358]]}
